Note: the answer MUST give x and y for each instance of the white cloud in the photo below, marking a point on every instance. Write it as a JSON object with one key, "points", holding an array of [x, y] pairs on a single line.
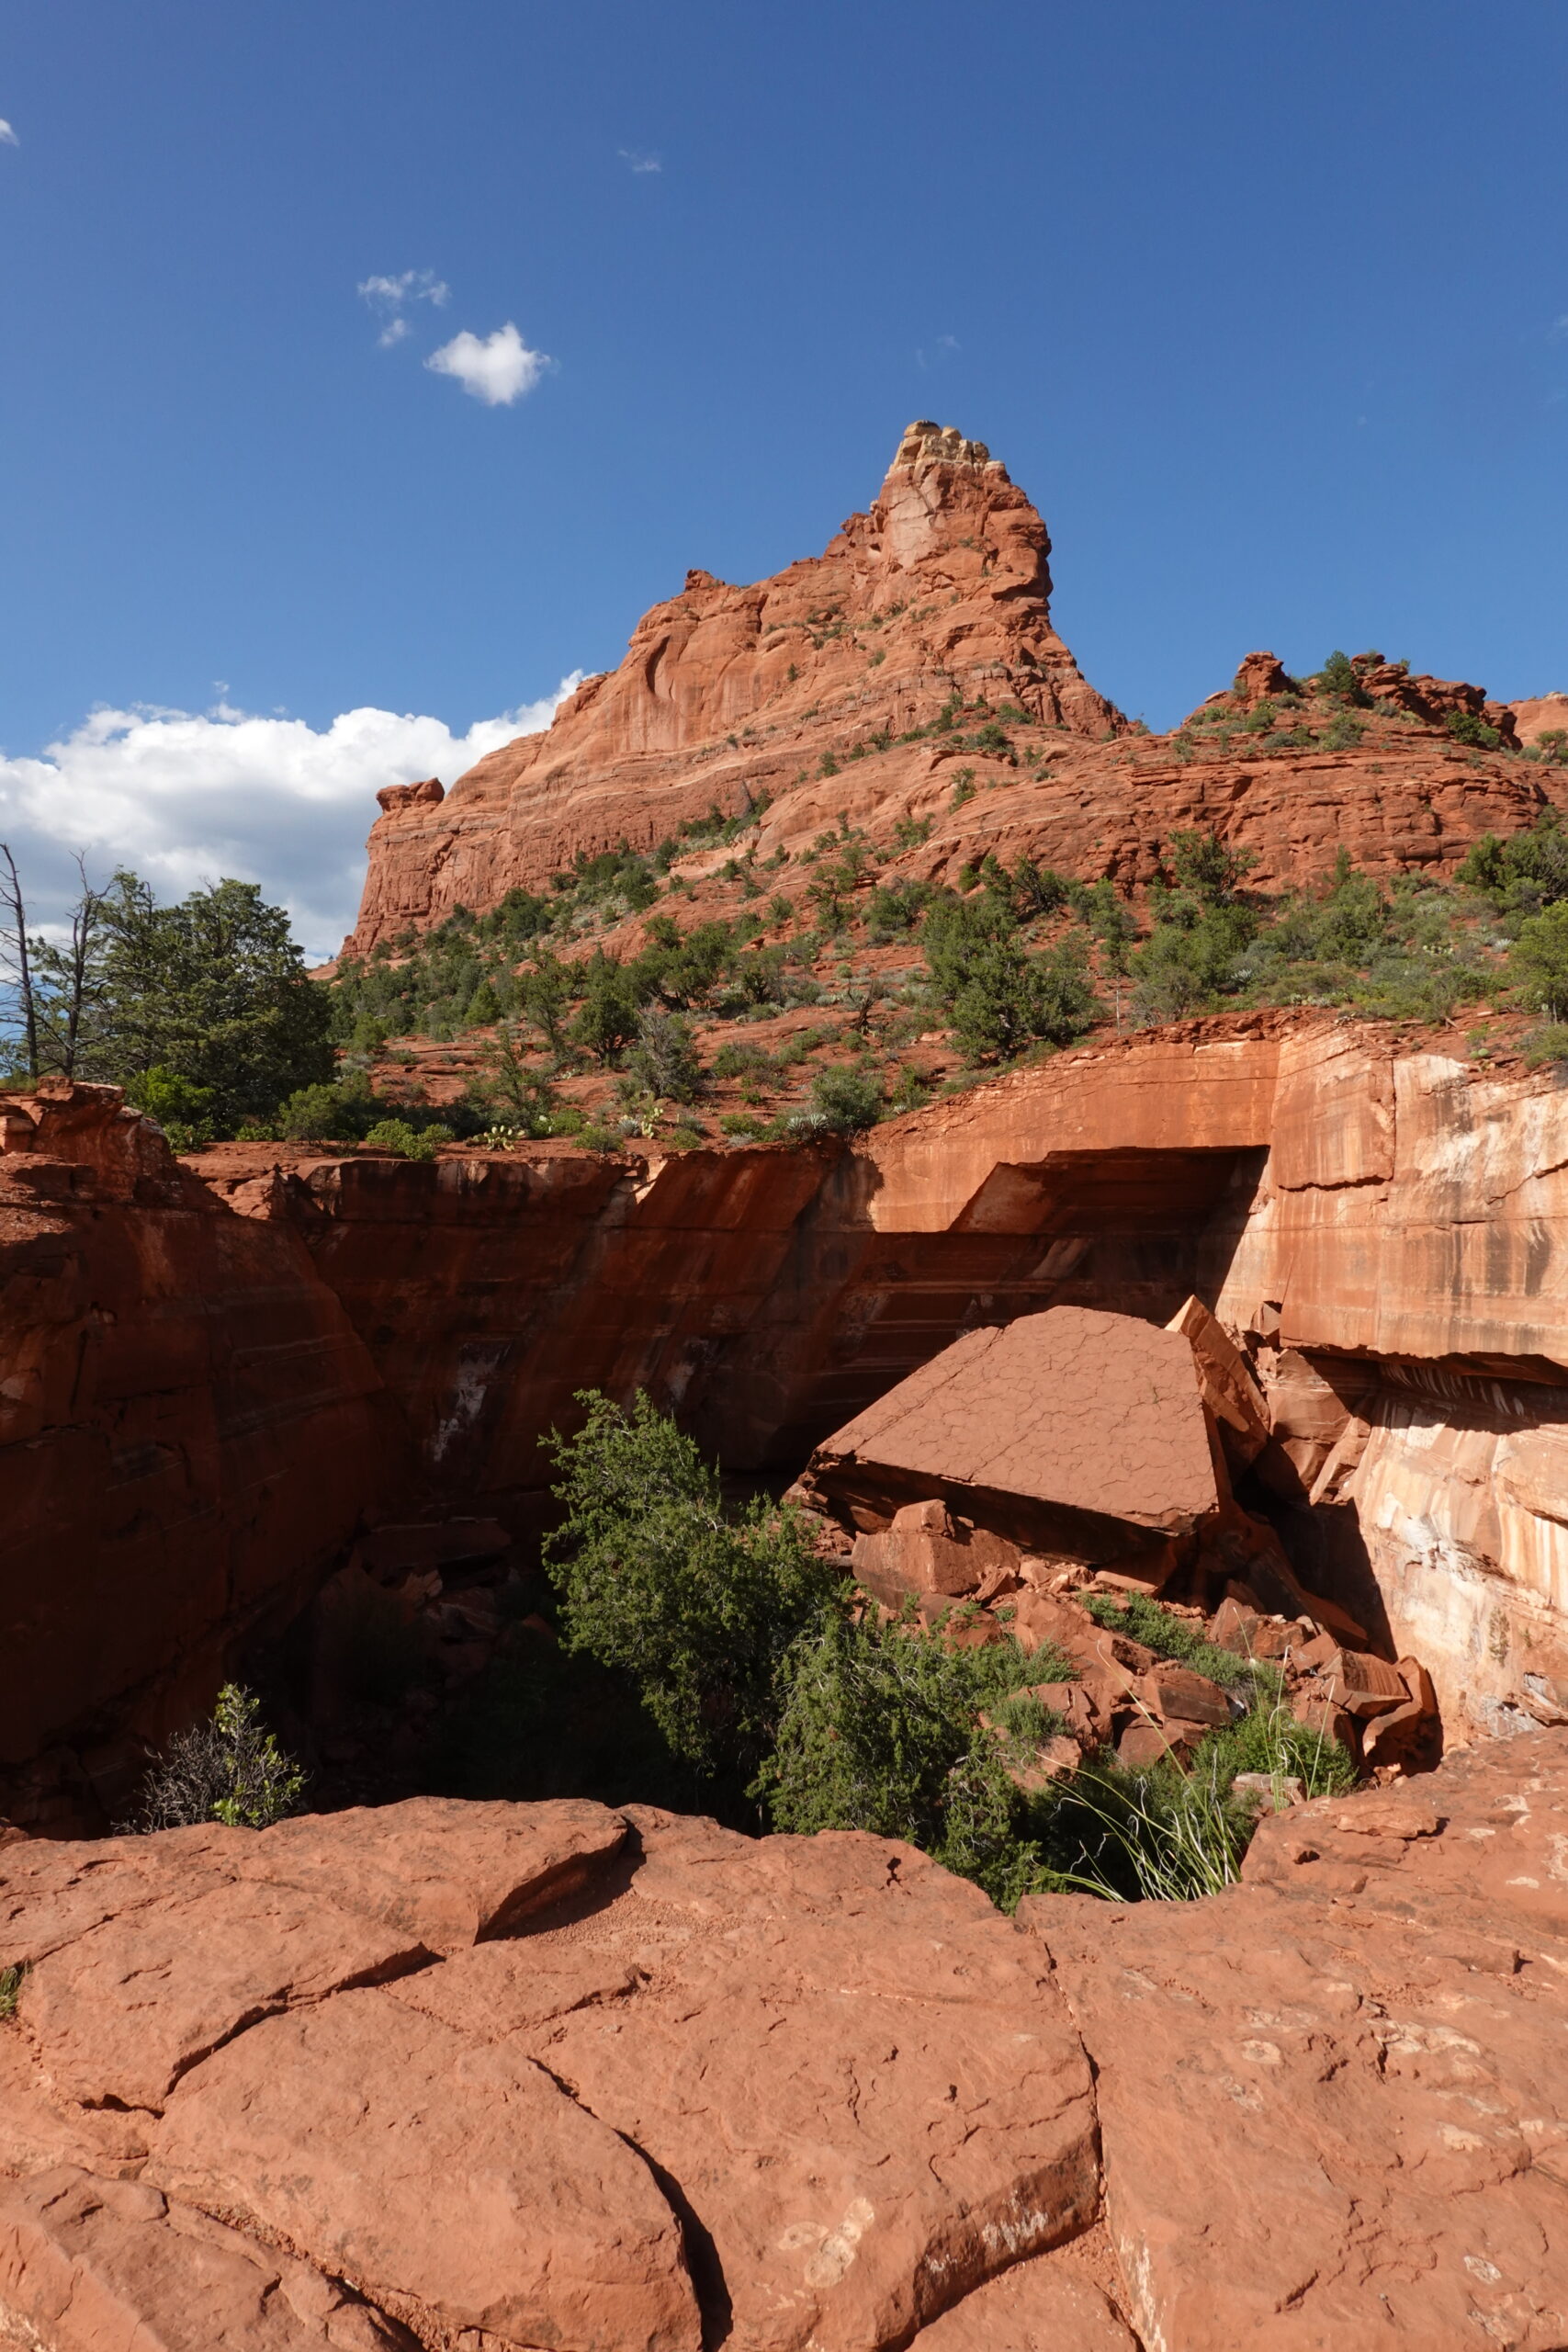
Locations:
{"points": [[1558, 331], [635, 161], [7, 136], [186, 798], [496, 369], [390, 295]]}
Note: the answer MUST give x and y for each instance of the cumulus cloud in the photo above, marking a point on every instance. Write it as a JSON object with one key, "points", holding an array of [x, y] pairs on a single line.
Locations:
{"points": [[185, 798], [7, 136], [496, 369], [636, 161], [389, 297]]}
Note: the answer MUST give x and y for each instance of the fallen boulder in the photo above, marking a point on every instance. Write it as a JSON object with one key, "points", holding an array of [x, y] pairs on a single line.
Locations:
{"points": [[1073, 1433]]}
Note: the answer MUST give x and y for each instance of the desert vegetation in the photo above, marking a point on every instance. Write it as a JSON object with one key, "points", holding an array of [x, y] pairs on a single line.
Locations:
{"points": [[789, 1700]]}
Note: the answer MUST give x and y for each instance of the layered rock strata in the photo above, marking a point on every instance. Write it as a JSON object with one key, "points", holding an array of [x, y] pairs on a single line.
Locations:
{"points": [[189, 1431], [202, 1379], [772, 695], [503, 2076]]}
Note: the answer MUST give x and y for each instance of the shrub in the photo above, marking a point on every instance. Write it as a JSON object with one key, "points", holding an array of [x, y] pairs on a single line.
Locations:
{"points": [[607, 1020], [1343, 733], [1338, 677], [1466, 726], [894, 909], [230, 1769], [696, 1608], [1191, 957], [10, 1992], [880, 1729], [1549, 1043], [406, 1142], [1537, 961], [1205, 866], [320, 1114], [1167, 1836], [663, 1057], [847, 1099], [182, 1110], [998, 998], [1525, 873]]}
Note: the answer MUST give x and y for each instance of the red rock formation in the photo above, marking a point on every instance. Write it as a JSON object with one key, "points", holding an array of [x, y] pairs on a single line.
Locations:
{"points": [[1320, 2092], [790, 2092], [1376, 1228], [1072, 1430], [727, 696], [189, 1430], [942, 587], [1544, 714]]}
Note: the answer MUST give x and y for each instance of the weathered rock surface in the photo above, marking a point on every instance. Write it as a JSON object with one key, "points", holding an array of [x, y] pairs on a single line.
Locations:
{"points": [[189, 1429], [1325, 2096], [731, 693], [1540, 715], [1376, 1228], [796, 2093], [1071, 1426], [814, 2084], [90, 2265]]}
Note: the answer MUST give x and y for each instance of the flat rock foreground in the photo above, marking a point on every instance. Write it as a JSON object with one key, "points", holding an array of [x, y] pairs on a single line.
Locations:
{"points": [[488, 2075]]}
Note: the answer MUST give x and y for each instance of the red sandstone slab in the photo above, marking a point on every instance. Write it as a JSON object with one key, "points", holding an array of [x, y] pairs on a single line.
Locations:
{"points": [[856, 2072], [426, 2166], [89, 2264], [1075, 1409], [122, 2013], [54, 1891], [1035, 2307], [437, 1869], [1327, 2100]]}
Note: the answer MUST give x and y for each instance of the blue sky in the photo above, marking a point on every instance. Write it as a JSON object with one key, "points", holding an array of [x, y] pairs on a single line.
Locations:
{"points": [[1266, 307]]}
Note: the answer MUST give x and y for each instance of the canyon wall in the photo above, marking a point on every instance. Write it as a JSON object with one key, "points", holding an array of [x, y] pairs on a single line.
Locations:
{"points": [[209, 1386], [190, 1429], [1382, 1228]]}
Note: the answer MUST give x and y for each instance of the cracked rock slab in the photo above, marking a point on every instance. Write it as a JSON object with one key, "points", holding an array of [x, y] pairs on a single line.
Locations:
{"points": [[109, 2265], [1072, 1410], [435, 2171], [1330, 2098], [859, 2080]]}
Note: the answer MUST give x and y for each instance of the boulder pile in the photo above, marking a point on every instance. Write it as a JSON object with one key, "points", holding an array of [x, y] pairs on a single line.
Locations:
{"points": [[1045, 1476]]}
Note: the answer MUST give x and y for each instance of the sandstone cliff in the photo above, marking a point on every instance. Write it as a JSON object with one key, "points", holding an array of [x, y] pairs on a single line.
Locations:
{"points": [[730, 697], [1381, 1228], [189, 1432], [201, 1377]]}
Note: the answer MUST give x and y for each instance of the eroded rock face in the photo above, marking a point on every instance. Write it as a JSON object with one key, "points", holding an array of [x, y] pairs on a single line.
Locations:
{"points": [[201, 1381], [730, 695], [796, 2093], [189, 1427]]}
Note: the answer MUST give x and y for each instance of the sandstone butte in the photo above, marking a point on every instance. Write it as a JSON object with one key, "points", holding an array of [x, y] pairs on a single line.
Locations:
{"points": [[503, 2077], [728, 696]]}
